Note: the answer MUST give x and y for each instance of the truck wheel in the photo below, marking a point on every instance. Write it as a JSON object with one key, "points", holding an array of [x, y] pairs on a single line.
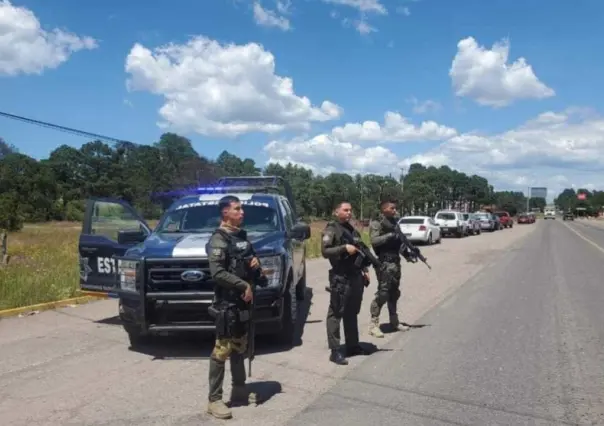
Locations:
{"points": [[288, 321], [301, 287], [136, 336]]}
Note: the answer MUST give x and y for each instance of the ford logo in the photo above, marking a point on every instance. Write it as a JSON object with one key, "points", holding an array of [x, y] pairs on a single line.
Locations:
{"points": [[192, 276]]}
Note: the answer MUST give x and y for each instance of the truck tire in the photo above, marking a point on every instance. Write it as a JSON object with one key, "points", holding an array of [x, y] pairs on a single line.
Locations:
{"points": [[301, 287], [136, 336], [286, 335]]}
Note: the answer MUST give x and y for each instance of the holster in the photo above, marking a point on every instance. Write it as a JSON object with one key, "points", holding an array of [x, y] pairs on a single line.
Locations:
{"points": [[229, 320], [340, 289]]}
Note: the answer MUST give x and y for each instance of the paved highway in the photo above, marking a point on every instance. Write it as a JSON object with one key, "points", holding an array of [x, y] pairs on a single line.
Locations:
{"points": [[515, 338], [521, 343]]}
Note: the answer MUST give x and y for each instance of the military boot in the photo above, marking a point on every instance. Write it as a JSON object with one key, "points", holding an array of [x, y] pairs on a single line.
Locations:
{"points": [[374, 328], [395, 325], [241, 395], [219, 410]]}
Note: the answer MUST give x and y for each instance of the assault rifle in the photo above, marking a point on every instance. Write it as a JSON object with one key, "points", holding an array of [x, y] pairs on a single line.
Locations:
{"points": [[408, 250], [365, 257], [257, 278]]}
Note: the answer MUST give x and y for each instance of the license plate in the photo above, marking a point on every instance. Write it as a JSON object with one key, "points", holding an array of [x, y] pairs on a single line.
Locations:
{"points": [[407, 234], [446, 229]]}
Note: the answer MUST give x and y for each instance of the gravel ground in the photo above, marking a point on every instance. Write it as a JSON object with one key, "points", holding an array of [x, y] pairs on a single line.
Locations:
{"points": [[73, 367]]}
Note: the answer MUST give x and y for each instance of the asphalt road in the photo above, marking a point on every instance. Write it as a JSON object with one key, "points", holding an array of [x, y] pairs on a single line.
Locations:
{"points": [[522, 343]]}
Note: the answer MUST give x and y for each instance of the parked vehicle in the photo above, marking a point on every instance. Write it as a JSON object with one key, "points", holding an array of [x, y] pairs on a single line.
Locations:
{"points": [[487, 221], [505, 219], [524, 218], [451, 223], [473, 223], [420, 229], [161, 276]]}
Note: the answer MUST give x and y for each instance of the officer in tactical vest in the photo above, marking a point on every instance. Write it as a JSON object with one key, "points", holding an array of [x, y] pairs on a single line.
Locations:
{"points": [[346, 284], [228, 250], [386, 246]]}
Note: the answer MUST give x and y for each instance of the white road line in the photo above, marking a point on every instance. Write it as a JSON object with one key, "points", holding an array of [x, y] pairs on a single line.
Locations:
{"points": [[584, 238]]}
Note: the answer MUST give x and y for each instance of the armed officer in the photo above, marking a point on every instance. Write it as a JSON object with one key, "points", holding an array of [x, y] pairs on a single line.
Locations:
{"points": [[228, 250], [386, 246], [346, 283]]}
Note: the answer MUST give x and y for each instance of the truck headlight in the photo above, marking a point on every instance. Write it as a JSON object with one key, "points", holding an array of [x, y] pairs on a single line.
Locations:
{"points": [[272, 267], [127, 273]]}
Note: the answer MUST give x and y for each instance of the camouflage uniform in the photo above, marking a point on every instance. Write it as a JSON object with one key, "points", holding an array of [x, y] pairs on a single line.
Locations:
{"points": [[346, 284], [386, 246], [234, 347]]}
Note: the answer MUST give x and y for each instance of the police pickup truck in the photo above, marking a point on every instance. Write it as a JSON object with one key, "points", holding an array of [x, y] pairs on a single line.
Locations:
{"points": [[161, 276]]}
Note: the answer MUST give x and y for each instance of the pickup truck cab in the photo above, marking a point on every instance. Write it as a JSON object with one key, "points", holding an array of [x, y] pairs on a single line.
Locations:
{"points": [[451, 222], [505, 219], [161, 276]]}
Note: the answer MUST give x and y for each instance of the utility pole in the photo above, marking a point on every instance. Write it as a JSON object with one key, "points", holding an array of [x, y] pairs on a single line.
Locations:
{"points": [[528, 198]]}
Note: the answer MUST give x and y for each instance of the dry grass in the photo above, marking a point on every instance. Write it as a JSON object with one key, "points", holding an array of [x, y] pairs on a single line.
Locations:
{"points": [[44, 264]]}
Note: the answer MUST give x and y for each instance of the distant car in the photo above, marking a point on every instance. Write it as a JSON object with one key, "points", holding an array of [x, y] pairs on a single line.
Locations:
{"points": [[532, 217], [451, 223], [549, 214], [420, 229], [505, 219], [473, 223], [568, 216], [486, 221], [524, 219]]}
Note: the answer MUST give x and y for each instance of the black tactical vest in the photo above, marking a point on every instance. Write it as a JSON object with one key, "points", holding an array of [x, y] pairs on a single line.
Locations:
{"points": [[344, 263], [238, 255], [393, 245]]}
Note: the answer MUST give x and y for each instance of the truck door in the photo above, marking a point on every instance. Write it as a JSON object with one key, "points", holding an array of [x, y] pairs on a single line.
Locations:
{"points": [[110, 228]]}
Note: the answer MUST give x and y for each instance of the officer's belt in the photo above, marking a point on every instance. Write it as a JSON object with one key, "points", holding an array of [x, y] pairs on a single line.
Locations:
{"points": [[389, 257], [347, 272]]}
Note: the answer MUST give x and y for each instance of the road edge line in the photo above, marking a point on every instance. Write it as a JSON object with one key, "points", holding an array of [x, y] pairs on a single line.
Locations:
{"points": [[584, 238], [7, 313]]}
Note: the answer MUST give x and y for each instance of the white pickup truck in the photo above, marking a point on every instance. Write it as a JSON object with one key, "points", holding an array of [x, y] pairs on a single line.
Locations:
{"points": [[549, 214], [451, 222]]}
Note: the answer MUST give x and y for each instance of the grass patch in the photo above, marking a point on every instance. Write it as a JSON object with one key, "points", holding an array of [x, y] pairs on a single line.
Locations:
{"points": [[44, 265]]}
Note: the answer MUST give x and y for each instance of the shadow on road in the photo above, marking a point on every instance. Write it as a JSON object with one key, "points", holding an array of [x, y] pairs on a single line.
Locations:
{"points": [[387, 329], [194, 345], [264, 389]]}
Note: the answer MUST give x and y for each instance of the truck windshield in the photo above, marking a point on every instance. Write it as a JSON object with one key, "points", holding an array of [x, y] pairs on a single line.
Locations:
{"points": [[206, 218], [446, 216]]}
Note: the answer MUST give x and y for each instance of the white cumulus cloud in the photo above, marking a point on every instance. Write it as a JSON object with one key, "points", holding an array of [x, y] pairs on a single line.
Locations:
{"points": [[485, 75], [554, 149], [27, 48], [271, 18], [346, 148], [396, 128], [222, 89]]}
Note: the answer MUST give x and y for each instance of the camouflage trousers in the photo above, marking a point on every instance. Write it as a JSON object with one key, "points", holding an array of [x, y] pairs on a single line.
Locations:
{"points": [[388, 292], [233, 349]]}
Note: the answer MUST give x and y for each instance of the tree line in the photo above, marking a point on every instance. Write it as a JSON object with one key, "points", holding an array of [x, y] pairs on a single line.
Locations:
{"points": [[581, 201], [55, 188]]}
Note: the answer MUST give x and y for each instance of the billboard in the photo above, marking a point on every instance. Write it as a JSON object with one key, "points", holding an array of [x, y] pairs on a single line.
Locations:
{"points": [[581, 196], [538, 193]]}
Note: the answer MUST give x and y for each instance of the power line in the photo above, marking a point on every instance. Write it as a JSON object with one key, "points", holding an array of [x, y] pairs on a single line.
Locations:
{"points": [[64, 128]]}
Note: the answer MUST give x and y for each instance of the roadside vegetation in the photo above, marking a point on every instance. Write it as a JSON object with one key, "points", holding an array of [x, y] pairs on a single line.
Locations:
{"points": [[42, 201]]}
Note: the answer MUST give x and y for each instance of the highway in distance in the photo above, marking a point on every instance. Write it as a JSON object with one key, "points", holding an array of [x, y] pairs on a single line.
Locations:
{"points": [[521, 343]]}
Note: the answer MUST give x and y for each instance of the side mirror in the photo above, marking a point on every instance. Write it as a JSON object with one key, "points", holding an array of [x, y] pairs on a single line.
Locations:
{"points": [[300, 231], [131, 236]]}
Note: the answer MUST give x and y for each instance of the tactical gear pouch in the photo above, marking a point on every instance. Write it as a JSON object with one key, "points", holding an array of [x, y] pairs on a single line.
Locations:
{"points": [[339, 293], [226, 320]]}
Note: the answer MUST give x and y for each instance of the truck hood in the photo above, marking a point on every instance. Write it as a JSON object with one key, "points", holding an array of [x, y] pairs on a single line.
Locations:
{"points": [[170, 245]]}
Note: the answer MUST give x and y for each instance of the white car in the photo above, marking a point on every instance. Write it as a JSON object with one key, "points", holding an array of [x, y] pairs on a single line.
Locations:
{"points": [[550, 214], [420, 228], [451, 223]]}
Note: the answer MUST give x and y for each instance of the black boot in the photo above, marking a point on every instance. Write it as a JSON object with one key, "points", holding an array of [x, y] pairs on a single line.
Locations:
{"points": [[337, 358]]}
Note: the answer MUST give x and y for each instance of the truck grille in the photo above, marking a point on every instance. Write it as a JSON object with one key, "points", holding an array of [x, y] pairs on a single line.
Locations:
{"points": [[165, 275]]}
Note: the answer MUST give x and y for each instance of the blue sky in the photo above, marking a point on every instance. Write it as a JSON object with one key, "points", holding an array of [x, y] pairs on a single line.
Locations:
{"points": [[329, 56]]}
